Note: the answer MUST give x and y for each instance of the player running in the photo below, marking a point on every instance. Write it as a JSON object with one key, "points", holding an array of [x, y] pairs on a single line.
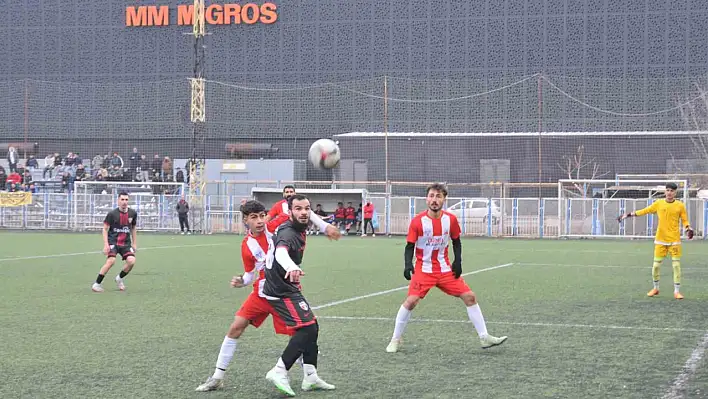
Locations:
{"points": [[428, 235], [256, 247], [282, 289], [281, 206], [119, 238], [668, 236]]}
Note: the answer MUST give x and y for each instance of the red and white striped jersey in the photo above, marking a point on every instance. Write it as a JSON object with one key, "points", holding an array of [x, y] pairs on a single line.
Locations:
{"points": [[255, 251], [279, 208], [431, 238]]}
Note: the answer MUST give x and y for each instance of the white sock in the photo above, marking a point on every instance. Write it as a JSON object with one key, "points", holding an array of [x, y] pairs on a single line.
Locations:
{"points": [[401, 320], [656, 284], [677, 288], [228, 347], [301, 363], [309, 370], [280, 366], [475, 315]]}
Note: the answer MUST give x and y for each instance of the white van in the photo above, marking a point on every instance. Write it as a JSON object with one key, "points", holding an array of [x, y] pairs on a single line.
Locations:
{"points": [[476, 209]]}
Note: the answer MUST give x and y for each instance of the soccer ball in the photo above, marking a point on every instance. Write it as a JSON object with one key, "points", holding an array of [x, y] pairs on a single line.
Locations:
{"points": [[324, 153]]}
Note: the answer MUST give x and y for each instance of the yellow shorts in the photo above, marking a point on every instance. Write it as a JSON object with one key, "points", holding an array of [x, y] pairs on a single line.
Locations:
{"points": [[660, 251]]}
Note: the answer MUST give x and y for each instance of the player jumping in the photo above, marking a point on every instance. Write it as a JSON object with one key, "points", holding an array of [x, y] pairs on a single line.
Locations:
{"points": [[282, 289], [119, 238], [256, 247], [428, 235], [668, 236]]}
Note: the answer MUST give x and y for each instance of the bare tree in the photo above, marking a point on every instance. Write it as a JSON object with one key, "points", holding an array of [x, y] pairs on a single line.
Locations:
{"points": [[694, 112], [577, 167]]}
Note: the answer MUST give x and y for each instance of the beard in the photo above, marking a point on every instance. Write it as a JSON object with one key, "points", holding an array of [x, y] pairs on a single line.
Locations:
{"points": [[298, 224]]}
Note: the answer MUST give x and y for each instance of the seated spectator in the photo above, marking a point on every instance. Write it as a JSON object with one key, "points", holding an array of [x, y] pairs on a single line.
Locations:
{"points": [[32, 163], [116, 160], [30, 188], [96, 163], [27, 177], [80, 173], [66, 182], [69, 160], [14, 178], [179, 177]]}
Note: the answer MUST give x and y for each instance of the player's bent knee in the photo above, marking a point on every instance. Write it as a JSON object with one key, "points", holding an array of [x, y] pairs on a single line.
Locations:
{"points": [[130, 261], [411, 302], [469, 298], [237, 327]]}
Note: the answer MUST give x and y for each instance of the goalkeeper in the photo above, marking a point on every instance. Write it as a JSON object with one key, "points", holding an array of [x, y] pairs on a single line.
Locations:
{"points": [[668, 236]]}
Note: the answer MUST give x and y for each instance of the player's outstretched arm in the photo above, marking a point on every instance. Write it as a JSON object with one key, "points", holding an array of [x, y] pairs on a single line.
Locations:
{"points": [[330, 231], [650, 209], [457, 251], [408, 260]]}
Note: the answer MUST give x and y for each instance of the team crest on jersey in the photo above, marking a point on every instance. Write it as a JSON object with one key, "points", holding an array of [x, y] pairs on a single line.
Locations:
{"points": [[303, 306]]}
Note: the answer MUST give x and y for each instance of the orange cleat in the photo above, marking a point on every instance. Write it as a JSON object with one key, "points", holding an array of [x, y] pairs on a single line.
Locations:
{"points": [[653, 292], [678, 295]]}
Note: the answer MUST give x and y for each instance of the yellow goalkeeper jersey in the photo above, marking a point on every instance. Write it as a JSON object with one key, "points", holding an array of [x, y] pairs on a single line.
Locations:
{"points": [[669, 213]]}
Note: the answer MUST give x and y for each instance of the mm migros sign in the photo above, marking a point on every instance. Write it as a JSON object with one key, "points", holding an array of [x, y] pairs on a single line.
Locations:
{"points": [[214, 14]]}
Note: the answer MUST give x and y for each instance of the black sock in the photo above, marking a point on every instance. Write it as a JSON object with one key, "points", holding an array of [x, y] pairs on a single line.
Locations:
{"points": [[99, 279], [122, 274]]}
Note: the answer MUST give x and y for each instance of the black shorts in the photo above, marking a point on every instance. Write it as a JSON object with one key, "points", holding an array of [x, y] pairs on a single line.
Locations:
{"points": [[124, 252], [294, 310]]}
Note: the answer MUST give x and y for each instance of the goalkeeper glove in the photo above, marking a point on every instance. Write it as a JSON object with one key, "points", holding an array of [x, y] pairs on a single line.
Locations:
{"points": [[620, 218], [689, 233], [457, 268], [407, 271]]}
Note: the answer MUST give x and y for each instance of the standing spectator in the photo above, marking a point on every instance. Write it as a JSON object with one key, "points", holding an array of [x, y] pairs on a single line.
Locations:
{"points": [[13, 158], [167, 171], [32, 163], [96, 163], [48, 166], [156, 164], [133, 164], [3, 178], [183, 214], [144, 169], [77, 159], [368, 215]]}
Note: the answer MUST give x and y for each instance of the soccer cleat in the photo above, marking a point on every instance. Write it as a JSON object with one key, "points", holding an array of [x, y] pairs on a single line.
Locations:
{"points": [[119, 282], [488, 341], [211, 384], [96, 287], [393, 346], [678, 295], [281, 382], [653, 292], [312, 382]]}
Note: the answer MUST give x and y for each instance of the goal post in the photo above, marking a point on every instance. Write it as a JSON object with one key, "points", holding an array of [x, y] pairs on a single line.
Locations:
{"points": [[154, 202], [589, 208]]}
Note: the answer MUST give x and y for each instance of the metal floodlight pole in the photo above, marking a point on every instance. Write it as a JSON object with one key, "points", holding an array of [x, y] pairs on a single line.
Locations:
{"points": [[197, 163]]}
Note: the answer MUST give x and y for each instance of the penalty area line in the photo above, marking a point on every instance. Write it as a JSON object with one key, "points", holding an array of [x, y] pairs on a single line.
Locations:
{"points": [[99, 252], [520, 323], [679, 386], [374, 294]]}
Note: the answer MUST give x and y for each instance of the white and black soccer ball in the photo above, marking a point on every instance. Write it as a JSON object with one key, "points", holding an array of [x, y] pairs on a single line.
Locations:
{"points": [[324, 154]]}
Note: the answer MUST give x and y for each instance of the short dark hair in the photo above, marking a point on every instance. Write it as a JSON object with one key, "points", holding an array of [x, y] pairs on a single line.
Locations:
{"points": [[437, 187], [289, 186], [252, 206], [296, 197], [672, 186], [122, 193]]}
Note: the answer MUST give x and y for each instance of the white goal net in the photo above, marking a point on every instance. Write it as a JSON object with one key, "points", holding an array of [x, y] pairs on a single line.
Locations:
{"points": [[155, 203], [589, 208]]}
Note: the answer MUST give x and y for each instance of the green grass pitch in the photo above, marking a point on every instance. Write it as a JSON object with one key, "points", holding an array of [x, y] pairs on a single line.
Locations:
{"points": [[576, 313]]}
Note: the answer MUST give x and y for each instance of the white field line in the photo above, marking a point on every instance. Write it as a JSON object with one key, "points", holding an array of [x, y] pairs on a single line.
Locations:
{"points": [[373, 294], [680, 384], [523, 324], [99, 252], [693, 269]]}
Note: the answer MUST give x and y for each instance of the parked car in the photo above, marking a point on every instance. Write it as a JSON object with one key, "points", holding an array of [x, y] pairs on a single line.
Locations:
{"points": [[476, 209]]}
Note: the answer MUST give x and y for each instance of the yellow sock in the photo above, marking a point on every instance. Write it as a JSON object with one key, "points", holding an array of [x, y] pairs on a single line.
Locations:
{"points": [[676, 264], [655, 272]]}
